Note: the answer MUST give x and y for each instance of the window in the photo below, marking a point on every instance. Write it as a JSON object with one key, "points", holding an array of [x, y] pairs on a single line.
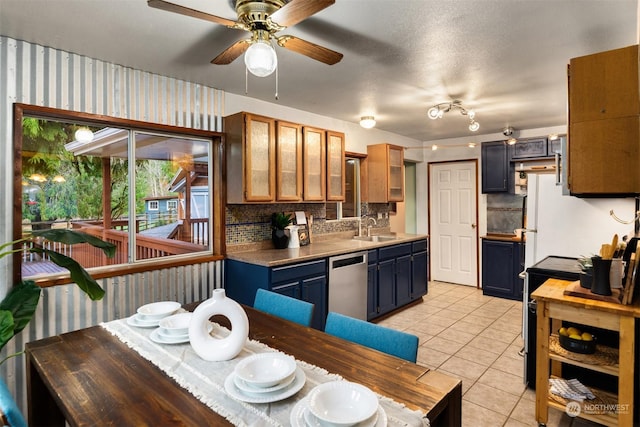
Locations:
{"points": [[146, 188], [350, 208]]}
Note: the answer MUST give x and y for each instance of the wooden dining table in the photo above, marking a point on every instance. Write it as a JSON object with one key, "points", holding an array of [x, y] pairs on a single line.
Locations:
{"points": [[89, 377]]}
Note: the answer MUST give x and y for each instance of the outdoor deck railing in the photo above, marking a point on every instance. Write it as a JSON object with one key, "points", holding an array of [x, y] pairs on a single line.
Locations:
{"points": [[147, 247]]}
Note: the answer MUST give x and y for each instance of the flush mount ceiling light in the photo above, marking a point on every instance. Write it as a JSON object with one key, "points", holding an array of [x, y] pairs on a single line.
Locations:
{"points": [[367, 122], [438, 110], [261, 59], [84, 135]]}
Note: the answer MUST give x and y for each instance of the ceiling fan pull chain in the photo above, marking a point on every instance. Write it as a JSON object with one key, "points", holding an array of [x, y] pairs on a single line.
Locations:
{"points": [[246, 80], [276, 83]]}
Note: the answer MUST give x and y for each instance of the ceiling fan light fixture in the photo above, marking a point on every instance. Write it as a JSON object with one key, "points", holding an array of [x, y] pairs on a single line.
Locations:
{"points": [[474, 126], [367, 122], [261, 59]]}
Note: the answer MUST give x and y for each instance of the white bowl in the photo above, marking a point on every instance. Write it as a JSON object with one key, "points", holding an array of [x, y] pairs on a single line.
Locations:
{"points": [[176, 324], [157, 310], [265, 369], [342, 403]]}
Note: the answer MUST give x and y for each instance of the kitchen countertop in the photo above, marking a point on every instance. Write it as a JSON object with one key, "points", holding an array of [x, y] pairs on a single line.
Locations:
{"points": [[315, 250]]}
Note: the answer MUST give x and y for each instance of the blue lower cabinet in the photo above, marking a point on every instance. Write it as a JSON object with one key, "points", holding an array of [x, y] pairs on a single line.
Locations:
{"points": [[501, 265], [419, 274], [403, 279], [306, 281], [397, 276], [372, 284]]}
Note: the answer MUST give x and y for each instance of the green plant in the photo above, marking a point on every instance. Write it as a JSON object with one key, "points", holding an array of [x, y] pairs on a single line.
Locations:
{"points": [[280, 220], [19, 305]]}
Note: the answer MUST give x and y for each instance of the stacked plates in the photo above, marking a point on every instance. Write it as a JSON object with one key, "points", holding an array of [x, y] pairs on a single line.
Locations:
{"points": [[339, 404], [173, 329], [264, 378], [149, 315]]}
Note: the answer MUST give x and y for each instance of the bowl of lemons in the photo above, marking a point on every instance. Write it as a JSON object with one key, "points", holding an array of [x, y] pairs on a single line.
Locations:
{"points": [[576, 340]]}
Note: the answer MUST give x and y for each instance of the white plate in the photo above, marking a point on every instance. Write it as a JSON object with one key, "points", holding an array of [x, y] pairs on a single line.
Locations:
{"points": [[158, 337], [167, 337], [163, 339], [158, 310], [274, 396], [301, 416], [248, 388], [265, 369], [138, 323]]}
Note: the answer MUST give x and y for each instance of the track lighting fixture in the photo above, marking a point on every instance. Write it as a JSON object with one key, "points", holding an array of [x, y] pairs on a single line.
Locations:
{"points": [[438, 110]]}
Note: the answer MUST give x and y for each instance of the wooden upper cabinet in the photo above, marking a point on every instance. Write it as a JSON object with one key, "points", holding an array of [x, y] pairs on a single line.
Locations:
{"points": [[604, 123], [335, 166], [289, 162], [385, 164], [250, 141], [270, 161], [314, 170], [604, 85]]}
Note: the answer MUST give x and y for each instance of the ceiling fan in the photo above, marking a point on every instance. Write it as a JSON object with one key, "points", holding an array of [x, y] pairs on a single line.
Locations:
{"points": [[263, 19]]}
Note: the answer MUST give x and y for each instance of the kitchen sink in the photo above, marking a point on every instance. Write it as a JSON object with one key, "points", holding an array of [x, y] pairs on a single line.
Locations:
{"points": [[379, 238]]}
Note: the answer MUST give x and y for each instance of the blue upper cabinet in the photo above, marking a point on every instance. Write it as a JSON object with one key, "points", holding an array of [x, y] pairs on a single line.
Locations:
{"points": [[495, 167]]}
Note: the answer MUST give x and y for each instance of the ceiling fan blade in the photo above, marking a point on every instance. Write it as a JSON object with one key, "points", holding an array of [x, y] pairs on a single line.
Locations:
{"points": [[176, 8], [298, 10], [232, 52], [309, 49]]}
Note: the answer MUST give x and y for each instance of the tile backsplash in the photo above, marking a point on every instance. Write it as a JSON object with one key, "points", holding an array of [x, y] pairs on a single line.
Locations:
{"points": [[247, 224], [504, 212]]}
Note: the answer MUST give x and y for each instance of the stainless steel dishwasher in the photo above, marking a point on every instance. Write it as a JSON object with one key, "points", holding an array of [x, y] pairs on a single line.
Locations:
{"points": [[348, 284]]}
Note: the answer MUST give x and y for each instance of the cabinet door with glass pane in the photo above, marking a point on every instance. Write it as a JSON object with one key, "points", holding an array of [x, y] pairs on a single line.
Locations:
{"points": [[259, 159], [335, 166], [396, 174], [314, 172], [289, 162]]}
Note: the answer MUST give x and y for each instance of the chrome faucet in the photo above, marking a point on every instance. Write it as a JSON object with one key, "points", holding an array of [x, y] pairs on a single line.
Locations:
{"points": [[369, 227]]}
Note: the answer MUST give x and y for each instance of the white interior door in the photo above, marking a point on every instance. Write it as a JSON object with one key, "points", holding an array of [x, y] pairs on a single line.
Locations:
{"points": [[453, 222]]}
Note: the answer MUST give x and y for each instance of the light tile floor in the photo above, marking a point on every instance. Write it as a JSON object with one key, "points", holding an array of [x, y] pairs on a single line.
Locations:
{"points": [[477, 338]]}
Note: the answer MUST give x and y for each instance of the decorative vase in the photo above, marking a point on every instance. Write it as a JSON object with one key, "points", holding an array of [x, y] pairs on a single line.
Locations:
{"points": [[601, 269], [294, 239], [218, 349], [279, 238]]}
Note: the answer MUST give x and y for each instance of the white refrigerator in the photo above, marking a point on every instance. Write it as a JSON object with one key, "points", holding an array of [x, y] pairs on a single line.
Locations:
{"points": [[567, 225]]}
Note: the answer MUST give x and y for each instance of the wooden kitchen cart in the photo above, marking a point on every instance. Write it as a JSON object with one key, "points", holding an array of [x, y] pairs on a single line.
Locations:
{"points": [[552, 308]]}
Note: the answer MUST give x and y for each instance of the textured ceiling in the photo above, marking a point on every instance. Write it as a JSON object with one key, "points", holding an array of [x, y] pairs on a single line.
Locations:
{"points": [[506, 59]]}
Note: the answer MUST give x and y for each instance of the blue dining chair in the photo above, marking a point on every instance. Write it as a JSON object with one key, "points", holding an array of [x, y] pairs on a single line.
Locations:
{"points": [[387, 340], [284, 306], [9, 409]]}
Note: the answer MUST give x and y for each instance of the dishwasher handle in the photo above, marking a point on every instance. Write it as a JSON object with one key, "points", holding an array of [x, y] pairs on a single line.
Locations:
{"points": [[346, 262]]}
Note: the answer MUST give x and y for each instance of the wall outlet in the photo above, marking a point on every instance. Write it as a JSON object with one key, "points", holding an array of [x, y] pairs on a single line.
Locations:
{"points": [[379, 215]]}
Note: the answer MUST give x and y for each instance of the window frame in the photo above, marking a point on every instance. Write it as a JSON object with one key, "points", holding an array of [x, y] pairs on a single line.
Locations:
{"points": [[217, 200], [360, 178]]}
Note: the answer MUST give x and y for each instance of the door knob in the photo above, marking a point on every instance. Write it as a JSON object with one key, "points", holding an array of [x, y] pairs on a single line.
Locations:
{"points": [[473, 226]]}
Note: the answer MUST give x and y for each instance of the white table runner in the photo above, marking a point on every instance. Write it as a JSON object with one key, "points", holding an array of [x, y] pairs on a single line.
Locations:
{"points": [[205, 380]]}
